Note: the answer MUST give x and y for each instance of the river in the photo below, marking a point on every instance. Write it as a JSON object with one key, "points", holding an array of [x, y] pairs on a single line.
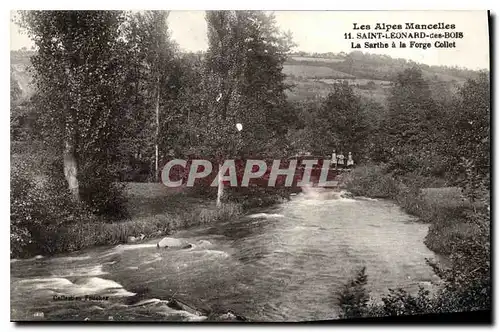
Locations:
{"points": [[283, 263]]}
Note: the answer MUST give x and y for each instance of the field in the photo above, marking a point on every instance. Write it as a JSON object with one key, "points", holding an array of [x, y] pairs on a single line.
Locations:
{"points": [[307, 58], [356, 81], [313, 88], [305, 89], [145, 199], [441, 77], [307, 71]]}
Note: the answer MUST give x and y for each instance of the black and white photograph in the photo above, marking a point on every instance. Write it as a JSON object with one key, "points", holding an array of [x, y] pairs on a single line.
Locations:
{"points": [[250, 166]]}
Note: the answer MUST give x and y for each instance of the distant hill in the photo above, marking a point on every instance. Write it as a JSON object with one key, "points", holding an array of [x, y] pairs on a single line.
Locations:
{"points": [[370, 74], [375, 66], [313, 74], [307, 71]]}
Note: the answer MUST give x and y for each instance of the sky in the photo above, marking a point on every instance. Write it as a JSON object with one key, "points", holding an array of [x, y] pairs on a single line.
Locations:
{"points": [[323, 31]]}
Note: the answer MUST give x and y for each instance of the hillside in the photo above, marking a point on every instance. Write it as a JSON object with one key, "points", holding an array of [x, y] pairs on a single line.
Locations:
{"points": [[371, 75], [312, 75]]}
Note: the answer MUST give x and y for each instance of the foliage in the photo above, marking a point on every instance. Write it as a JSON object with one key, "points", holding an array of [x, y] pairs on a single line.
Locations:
{"points": [[77, 68], [474, 294], [149, 59], [15, 89], [400, 302], [372, 181], [242, 83], [35, 207], [471, 135], [353, 298], [340, 123], [408, 131]]}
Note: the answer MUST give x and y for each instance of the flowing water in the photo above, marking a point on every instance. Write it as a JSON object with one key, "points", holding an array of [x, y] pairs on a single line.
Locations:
{"points": [[279, 264]]}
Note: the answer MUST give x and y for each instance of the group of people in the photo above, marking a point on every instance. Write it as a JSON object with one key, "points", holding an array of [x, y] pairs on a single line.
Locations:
{"points": [[339, 160]]}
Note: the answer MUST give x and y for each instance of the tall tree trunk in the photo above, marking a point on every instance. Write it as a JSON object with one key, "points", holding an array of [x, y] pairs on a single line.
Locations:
{"points": [[220, 187], [157, 126], [70, 163]]}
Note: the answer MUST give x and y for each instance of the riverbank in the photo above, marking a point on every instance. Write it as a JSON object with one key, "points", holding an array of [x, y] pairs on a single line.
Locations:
{"points": [[443, 207], [153, 211]]}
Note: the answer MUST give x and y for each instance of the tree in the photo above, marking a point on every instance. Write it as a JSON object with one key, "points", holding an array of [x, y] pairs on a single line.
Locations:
{"points": [[78, 72], [158, 56], [353, 297], [223, 69], [411, 136], [181, 104], [471, 135], [340, 123], [149, 56], [242, 83]]}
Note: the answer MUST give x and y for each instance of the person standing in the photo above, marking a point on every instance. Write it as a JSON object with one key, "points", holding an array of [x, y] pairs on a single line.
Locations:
{"points": [[350, 161], [340, 158], [334, 159]]}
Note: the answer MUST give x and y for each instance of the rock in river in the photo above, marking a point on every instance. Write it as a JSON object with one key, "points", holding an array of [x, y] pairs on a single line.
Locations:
{"points": [[170, 242]]}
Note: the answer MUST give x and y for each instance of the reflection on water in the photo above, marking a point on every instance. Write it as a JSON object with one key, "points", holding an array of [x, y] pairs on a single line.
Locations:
{"points": [[284, 263]]}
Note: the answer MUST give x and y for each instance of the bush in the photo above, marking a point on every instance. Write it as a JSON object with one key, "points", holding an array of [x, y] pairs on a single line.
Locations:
{"points": [[353, 298], [43, 211], [99, 190], [105, 197], [410, 199], [372, 181], [448, 227], [37, 205], [468, 295], [226, 212], [400, 302]]}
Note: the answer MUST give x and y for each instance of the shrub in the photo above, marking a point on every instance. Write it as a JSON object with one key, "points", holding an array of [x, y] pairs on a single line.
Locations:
{"points": [[353, 298], [400, 302], [410, 199], [105, 197], [37, 206], [448, 227], [98, 190], [355, 301], [226, 212], [372, 181], [43, 211]]}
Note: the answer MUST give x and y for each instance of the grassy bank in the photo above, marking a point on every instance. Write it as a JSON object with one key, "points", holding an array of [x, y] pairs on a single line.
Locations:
{"points": [[152, 214], [153, 211], [443, 207]]}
